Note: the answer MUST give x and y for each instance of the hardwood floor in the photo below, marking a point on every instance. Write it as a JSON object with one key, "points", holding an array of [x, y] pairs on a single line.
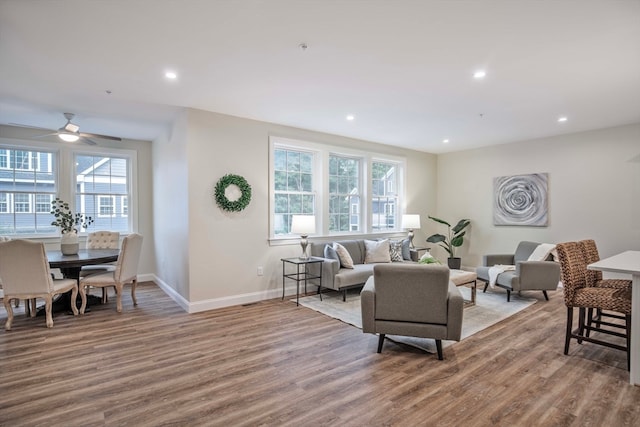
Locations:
{"points": [[275, 364]]}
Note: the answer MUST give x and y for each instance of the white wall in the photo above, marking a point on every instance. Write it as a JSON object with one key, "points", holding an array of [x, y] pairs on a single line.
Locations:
{"points": [[594, 191], [171, 210], [223, 250]]}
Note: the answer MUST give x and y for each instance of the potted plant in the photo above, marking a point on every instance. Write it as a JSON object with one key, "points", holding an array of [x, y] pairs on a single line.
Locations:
{"points": [[68, 223], [453, 240]]}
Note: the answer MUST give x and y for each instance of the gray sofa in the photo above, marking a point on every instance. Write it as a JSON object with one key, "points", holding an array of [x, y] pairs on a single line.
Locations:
{"points": [[528, 275], [413, 300], [340, 279]]}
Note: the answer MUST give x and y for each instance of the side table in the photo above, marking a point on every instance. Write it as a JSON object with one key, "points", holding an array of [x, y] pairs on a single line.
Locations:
{"points": [[461, 278], [300, 276]]}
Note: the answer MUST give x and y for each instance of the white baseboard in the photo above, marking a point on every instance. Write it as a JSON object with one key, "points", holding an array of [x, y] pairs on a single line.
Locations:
{"points": [[214, 303]]}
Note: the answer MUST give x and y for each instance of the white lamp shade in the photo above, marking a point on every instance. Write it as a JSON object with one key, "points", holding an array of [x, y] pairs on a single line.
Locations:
{"points": [[303, 224], [411, 221]]}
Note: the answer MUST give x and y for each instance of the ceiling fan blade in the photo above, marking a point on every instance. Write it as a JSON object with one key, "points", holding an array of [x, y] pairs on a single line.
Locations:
{"points": [[30, 127], [87, 140], [97, 135]]}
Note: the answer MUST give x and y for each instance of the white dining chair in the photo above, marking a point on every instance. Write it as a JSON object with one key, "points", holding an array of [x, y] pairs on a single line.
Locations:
{"points": [[126, 271], [101, 240], [26, 275]]}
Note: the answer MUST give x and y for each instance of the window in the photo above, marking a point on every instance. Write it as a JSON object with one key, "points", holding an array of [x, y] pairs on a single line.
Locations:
{"points": [[384, 202], [292, 187], [100, 181], [344, 194], [27, 184], [349, 191], [100, 185], [124, 206], [43, 203]]}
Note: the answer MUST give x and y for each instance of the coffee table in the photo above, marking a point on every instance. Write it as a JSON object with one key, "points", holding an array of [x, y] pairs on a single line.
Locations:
{"points": [[461, 278]]}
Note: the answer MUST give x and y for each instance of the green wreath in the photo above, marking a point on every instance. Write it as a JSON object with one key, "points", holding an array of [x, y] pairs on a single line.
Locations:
{"points": [[221, 198]]}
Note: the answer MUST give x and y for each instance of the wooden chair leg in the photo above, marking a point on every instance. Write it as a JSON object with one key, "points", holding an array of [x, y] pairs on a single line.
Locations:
{"points": [[439, 348], [589, 320], [508, 295], [486, 285], [380, 342], [7, 306], [581, 316], [133, 291], [545, 295], [567, 337]]}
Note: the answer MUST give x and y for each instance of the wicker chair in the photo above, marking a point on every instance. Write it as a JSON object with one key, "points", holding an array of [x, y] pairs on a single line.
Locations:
{"points": [[594, 278], [577, 293]]}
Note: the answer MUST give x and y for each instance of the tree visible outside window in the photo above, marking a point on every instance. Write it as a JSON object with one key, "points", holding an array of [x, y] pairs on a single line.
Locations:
{"points": [[344, 193], [293, 187], [385, 195]]}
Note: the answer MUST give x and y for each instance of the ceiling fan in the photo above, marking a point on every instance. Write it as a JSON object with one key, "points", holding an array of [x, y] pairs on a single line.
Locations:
{"points": [[70, 132]]}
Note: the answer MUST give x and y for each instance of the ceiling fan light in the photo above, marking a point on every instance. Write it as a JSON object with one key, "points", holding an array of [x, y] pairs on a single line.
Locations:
{"points": [[68, 136]]}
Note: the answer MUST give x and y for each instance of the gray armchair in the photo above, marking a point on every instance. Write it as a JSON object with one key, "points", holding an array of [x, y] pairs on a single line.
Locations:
{"points": [[527, 276], [412, 300]]}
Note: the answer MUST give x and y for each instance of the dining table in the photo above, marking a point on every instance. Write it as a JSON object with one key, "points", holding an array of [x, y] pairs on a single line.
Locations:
{"points": [[628, 263], [70, 266]]}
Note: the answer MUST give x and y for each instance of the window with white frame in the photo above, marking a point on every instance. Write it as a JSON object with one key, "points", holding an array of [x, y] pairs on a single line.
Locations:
{"points": [[101, 182], [385, 197], [124, 206], [293, 191], [361, 192], [344, 193], [28, 180]]}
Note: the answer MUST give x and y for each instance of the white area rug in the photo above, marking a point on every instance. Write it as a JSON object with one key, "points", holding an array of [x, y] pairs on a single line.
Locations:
{"points": [[491, 308]]}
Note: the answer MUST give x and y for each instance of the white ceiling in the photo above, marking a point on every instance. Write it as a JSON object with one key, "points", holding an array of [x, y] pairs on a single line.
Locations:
{"points": [[403, 68]]}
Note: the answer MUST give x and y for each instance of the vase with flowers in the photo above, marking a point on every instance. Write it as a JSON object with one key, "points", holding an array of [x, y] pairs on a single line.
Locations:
{"points": [[69, 224]]}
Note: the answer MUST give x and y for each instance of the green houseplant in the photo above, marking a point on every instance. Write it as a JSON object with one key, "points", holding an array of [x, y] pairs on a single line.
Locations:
{"points": [[453, 239], [68, 223]]}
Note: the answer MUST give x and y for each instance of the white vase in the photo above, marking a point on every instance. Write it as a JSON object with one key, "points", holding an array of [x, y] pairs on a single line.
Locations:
{"points": [[69, 244]]}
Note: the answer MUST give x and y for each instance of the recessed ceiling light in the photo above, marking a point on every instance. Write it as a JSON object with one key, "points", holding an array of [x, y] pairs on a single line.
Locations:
{"points": [[170, 75], [480, 74], [351, 117], [445, 141], [562, 119]]}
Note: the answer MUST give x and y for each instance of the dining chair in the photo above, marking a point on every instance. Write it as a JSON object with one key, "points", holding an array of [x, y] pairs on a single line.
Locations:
{"points": [[16, 301], [126, 271], [101, 240], [26, 275], [577, 293], [594, 278]]}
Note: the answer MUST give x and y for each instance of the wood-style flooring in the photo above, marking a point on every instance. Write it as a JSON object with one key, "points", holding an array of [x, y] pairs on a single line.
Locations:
{"points": [[275, 364]]}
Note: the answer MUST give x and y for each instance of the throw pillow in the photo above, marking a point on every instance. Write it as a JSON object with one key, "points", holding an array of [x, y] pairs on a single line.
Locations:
{"points": [[395, 250], [406, 249], [376, 251], [331, 253], [345, 257]]}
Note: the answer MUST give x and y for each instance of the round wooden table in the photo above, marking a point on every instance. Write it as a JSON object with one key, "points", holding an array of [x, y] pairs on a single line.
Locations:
{"points": [[70, 266]]}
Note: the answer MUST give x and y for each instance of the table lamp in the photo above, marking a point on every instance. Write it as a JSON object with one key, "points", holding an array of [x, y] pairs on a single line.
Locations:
{"points": [[411, 222], [303, 225]]}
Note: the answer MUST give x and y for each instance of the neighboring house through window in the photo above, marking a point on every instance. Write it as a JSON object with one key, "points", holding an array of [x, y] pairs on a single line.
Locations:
{"points": [[30, 179]]}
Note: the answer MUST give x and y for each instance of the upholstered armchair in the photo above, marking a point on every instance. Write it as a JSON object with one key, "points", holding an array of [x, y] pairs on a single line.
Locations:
{"points": [[529, 271], [412, 300]]}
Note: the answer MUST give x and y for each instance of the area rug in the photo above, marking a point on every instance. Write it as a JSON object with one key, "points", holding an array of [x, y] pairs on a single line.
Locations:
{"points": [[491, 307]]}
